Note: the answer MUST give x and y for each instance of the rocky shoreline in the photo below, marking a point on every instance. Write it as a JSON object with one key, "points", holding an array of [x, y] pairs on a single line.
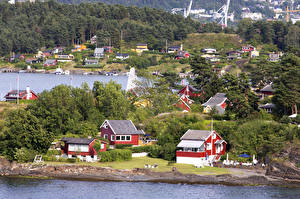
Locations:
{"points": [[91, 173]]}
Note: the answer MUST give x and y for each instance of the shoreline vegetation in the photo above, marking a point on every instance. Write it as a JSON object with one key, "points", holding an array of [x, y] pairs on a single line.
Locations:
{"points": [[85, 172]]}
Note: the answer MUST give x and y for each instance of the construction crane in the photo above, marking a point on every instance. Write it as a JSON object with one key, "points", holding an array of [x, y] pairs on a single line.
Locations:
{"points": [[223, 14], [288, 11], [186, 11]]}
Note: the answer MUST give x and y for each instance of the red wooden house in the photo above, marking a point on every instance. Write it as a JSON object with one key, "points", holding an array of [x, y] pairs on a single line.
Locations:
{"points": [[200, 147], [248, 48], [189, 91], [82, 148], [267, 91], [121, 132], [27, 94]]}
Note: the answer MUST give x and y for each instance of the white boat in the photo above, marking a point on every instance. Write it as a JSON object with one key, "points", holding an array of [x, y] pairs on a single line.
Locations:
{"points": [[67, 72], [59, 71]]}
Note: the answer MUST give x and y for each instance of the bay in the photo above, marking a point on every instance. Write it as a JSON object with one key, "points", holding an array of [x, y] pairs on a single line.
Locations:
{"points": [[24, 188], [40, 82]]}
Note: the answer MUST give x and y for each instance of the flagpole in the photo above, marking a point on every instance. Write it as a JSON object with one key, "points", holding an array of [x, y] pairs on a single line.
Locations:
{"points": [[18, 88]]}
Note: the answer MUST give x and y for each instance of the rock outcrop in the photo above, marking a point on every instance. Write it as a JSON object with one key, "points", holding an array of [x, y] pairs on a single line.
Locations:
{"points": [[286, 163]]}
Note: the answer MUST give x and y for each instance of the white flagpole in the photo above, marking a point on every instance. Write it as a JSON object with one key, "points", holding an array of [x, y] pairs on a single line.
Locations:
{"points": [[18, 88]]}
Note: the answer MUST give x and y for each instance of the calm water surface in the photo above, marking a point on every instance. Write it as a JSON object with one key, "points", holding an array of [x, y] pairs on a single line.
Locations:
{"points": [[40, 82], [18, 188]]}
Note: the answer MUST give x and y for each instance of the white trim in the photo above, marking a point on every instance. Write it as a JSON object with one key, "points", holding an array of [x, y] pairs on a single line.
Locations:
{"points": [[108, 125], [133, 125]]}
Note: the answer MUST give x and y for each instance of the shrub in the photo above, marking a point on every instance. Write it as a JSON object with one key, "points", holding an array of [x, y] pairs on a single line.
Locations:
{"points": [[155, 151], [123, 146], [53, 152], [24, 155], [141, 149], [71, 160], [115, 155]]}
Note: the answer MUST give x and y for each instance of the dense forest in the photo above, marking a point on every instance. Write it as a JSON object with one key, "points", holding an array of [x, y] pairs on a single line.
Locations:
{"points": [[26, 27], [284, 36]]}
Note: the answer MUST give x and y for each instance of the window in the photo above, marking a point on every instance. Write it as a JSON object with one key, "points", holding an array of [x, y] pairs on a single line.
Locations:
{"points": [[112, 138], [102, 146], [128, 138], [214, 136], [208, 146], [79, 147], [105, 136], [105, 126], [123, 137], [118, 137]]}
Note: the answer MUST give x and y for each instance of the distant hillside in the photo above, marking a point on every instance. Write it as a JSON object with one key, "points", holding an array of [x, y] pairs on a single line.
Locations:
{"points": [[235, 5], [28, 27]]}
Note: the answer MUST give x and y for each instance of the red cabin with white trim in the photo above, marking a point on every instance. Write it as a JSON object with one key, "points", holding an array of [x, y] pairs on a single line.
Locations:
{"points": [[82, 148], [200, 147], [27, 94], [121, 132]]}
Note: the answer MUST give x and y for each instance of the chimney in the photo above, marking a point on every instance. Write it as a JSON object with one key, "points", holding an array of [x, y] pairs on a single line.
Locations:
{"points": [[27, 92]]}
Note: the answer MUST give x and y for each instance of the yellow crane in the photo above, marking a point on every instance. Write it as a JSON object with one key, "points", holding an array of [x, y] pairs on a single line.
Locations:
{"points": [[288, 13]]}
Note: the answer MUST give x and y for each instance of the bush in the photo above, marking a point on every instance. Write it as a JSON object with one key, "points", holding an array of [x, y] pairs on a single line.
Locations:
{"points": [[24, 155], [123, 146], [71, 160], [53, 152], [115, 155], [155, 151], [141, 149]]}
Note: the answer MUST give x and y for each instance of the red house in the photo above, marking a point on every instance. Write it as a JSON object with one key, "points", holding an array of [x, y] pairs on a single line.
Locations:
{"points": [[267, 91], [189, 91], [182, 55], [121, 132], [248, 48], [27, 94], [200, 147], [82, 148]]}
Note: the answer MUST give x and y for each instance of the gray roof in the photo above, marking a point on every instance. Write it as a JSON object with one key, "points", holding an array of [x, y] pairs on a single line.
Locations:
{"points": [[215, 100], [77, 140], [268, 88], [124, 127], [99, 50], [196, 135], [268, 105], [50, 61]]}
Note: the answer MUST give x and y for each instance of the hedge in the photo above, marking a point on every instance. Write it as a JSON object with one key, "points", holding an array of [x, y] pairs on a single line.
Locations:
{"points": [[141, 149], [123, 146], [115, 155]]}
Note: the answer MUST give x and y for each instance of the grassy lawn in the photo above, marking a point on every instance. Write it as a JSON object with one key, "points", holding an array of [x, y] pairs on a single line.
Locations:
{"points": [[162, 166]]}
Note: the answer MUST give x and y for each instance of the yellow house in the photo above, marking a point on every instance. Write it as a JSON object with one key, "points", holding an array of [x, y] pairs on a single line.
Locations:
{"points": [[141, 48], [79, 48]]}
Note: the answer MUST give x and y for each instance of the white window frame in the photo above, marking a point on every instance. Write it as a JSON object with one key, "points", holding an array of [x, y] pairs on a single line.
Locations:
{"points": [[118, 137], [102, 146], [105, 136], [208, 146], [112, 137]]}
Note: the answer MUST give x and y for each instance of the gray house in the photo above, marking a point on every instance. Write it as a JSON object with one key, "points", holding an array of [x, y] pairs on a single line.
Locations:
{"points": [[91, 62], [218, 101], [99, 53]]}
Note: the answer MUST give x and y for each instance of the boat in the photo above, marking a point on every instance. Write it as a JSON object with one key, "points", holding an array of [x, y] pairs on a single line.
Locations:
{"points": [[67, 72], [59, 71]]}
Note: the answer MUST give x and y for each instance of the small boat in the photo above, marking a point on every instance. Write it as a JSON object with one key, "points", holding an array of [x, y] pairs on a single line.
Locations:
{"points": [[59, 71], [67, 72]]}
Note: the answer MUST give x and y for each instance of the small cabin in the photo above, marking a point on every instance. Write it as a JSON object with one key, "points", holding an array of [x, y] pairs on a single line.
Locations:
{"points": [[27, 94], [82, 148], [200, 147], [218, 101]]}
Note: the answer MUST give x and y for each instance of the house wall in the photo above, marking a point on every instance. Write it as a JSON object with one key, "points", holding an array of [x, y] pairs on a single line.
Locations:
{"points": [[190, 160], [91, 152], [107, 131], [134, 140]]}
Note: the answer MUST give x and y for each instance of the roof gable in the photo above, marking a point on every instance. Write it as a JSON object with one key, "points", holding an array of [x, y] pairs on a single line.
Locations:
{"points": [[217, 99], [122, 127]]}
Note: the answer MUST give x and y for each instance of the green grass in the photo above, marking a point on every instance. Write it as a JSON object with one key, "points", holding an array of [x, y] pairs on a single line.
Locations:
{"points": [[162, 166]]}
